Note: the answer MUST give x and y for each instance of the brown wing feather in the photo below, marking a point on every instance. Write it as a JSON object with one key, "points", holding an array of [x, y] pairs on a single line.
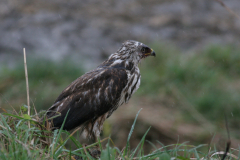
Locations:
{"points": [[88, 97]]}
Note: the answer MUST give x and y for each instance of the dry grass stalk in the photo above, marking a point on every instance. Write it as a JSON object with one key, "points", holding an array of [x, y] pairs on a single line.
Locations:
{"points": [[27, 86]]}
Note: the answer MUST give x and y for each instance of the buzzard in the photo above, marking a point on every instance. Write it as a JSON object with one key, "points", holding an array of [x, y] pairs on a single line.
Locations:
{"points": [[92, 98]]}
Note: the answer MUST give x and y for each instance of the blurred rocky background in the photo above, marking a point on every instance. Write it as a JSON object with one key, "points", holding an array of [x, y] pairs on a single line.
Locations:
{"points": [[94, 29], [185, 90]]}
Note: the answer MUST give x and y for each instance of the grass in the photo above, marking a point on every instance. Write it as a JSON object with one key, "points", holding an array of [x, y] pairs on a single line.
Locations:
{"points": [[19, 142]]}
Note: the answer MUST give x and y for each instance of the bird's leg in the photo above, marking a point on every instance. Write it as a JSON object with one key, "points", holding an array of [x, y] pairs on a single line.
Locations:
{"points": [[95, 151], [98, 150], [97, 138]]}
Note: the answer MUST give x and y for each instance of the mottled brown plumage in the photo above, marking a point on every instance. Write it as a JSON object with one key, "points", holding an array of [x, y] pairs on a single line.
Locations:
{"points": [[93, 97]]}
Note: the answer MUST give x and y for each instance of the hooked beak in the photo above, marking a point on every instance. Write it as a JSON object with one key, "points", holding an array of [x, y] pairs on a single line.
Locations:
{"points": [[153, 53]]}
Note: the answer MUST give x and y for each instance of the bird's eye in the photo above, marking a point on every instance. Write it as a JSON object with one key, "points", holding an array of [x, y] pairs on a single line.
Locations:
{"points": [[143, 49]]}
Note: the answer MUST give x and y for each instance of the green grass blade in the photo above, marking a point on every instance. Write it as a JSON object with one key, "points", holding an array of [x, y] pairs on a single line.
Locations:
{"points": [[108, 150], [141, 142], [152, 144], [99, 143], [74, 140], [196, 154], [5, 123], [130, 133], [165, 147], [58, 136], [199, 146], [12, 115]]}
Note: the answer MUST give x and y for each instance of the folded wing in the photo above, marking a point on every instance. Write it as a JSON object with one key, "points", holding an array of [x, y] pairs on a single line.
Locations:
{"points": [[88, 97]]}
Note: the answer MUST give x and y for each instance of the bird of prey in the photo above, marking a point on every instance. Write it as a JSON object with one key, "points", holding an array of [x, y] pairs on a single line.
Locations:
{"points": [[92, 98]]}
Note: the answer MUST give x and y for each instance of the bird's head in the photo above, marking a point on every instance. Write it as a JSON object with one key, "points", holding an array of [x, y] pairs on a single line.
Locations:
{"points": [[134, 51], [130, 53]]}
